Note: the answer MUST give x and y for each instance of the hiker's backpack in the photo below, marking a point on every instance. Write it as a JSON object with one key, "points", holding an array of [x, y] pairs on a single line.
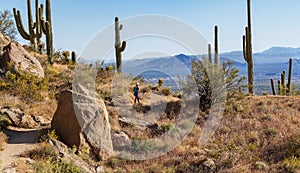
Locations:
{"points": [[135, 89]]}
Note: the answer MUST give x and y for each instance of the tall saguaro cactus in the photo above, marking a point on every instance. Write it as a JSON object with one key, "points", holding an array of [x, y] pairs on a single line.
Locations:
{"points": [[216, 46], [247, 50], [34, 36], [209, 53], [289, 85], [120, 47], [47, 30]]}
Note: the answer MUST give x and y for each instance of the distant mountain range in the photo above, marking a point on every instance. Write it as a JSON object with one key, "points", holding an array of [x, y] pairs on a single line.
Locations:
{"points": [[267, 64], [181, 64], [272, 55]]}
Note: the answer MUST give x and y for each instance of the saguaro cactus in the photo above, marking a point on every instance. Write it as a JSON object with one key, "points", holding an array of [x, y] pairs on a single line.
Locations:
{"points": [[47, 30], [283, 82], [289, 85], [33, 36], [120, 47], [279, 87], [73, 56], [273, 87], [247, 50], [209, 53], [216, 46]]}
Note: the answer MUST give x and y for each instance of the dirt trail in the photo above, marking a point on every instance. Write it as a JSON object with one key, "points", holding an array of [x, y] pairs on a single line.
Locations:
{"points": [[19, 141]]}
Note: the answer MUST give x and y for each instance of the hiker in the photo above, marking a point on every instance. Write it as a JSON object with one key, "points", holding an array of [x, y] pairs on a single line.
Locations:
{"points": [[136, 93]]}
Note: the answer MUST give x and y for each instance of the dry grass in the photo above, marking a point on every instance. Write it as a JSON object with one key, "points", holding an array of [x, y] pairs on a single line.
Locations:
{"points": [[261, 128], [3, 140]]}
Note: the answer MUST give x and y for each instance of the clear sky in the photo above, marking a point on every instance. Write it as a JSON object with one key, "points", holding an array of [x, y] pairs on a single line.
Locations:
{"points": [[274, 22]]}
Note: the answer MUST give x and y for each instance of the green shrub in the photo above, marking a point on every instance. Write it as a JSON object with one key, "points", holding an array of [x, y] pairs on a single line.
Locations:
{"points": [[160, 82], [205, 75], [4, 122], [46, 134], [47, 161], [292, 164], [166, 127], [26, 85], [45, 152], [56, 166], [166, 91]]}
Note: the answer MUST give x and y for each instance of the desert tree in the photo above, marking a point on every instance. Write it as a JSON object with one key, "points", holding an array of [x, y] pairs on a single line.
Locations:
{"points": [[7, 26]]}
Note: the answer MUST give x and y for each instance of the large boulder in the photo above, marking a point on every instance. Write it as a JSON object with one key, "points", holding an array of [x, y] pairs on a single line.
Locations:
{"points": [[17, 59], [64, 121], [79, 114]]}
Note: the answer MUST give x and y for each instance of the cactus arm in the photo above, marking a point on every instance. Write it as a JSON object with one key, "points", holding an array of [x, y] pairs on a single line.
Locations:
{"points": [[31, 25], [244, 48], [20, 25], [48, 11], [38, 29], [123, 46], [43, 25]]}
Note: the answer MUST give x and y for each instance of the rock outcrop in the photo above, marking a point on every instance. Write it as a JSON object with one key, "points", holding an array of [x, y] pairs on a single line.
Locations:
{"points": [[79, 114], [18, 118], [16, 58], [4, 40], [65, 153]]}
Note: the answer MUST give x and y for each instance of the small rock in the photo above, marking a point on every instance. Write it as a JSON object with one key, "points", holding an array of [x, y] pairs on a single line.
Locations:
{"points": [[18, 117], [41, 120], [9, 170], [120, 140], [202, 152], [100, 169], [261, 166], [209, 164]]}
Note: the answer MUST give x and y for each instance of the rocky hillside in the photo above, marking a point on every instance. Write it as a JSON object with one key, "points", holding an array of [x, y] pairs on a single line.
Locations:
{"points": [[51, 124]]}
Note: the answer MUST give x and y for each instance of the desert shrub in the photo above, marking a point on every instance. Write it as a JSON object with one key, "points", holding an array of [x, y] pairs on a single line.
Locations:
{"points": [[4, 122], [166, 91], [61, 165], [292, 164], [146, 89], [26, 85], [166, 127], [44, 152], [205, 76], [47, 160], [46, 134], [294, 90], [177, 94], [7, 26], [160, 82], [110, 68]]}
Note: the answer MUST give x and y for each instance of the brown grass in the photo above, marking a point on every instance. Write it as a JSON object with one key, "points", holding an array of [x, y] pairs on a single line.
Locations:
{"points": [[3, 140], [260, 128]]}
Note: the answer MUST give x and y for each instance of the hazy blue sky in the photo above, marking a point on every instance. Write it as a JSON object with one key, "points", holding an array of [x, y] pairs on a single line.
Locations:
{"points": [[275, 22]]}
